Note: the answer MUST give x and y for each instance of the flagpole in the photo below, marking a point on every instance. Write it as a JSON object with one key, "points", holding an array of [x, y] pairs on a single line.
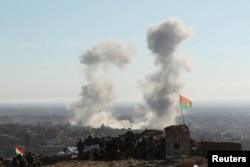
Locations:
{"points": [[184, 104], [182, 117], [181, 111]]}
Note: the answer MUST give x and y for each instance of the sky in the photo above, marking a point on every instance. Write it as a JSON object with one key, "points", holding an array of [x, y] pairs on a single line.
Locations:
{"points": [[40, 44]]}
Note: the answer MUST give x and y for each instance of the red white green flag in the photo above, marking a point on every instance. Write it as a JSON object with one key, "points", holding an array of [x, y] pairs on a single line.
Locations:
{"points": [[19, 150], [185, 103]]}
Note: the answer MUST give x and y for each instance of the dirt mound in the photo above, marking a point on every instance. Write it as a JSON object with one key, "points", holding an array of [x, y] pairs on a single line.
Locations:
{"points": [[122, 163], [190, 162], [201, 162]]}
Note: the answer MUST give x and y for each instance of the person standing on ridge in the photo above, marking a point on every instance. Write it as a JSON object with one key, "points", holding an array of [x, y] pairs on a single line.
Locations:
{"points": [[80, 148]]}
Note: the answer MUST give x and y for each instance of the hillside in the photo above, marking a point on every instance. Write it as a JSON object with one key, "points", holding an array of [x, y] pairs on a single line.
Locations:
{"points": [[131, 163]]}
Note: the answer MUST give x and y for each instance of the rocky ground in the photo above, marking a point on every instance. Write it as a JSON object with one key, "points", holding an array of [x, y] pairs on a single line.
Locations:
{"points": [[201, 162]]}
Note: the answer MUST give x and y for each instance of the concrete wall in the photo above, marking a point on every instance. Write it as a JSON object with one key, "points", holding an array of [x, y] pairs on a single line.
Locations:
{"points": [[177, 142], [205, 146]]}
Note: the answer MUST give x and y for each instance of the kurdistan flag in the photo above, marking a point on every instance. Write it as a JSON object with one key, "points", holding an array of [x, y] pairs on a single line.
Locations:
{"points": [[19, 150], [185, 103]]}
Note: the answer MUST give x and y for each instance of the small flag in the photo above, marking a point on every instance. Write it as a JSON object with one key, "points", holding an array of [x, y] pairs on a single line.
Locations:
{"points": [[19, 150], [185, 103]]}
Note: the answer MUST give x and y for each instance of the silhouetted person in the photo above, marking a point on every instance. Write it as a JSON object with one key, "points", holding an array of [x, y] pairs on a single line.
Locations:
{"points": [[14, 162], [22, 161], [80, 148], [30, 159]]}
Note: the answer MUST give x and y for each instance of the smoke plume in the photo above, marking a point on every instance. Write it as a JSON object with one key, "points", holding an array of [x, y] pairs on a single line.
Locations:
{"points": [[98, 93], [162, 87]]}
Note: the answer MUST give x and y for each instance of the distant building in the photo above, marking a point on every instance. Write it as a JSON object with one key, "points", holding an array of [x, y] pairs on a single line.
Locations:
{"points": [[177, 142]]}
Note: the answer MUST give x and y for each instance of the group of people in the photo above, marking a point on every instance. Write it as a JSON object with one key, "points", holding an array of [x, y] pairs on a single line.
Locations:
{"points": [[21, 161], [124, 146], [128, 145]]}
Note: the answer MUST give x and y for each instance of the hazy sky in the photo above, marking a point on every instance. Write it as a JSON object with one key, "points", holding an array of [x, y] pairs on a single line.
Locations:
{"points": [[40, 44]]}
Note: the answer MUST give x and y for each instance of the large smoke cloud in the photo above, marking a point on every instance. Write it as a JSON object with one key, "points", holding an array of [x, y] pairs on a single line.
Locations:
{"points": [[98, 93], [162, 87]]}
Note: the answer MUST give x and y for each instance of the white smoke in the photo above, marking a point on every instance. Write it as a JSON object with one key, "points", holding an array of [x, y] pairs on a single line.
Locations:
{"points": [[98, 94], [162, 87]]}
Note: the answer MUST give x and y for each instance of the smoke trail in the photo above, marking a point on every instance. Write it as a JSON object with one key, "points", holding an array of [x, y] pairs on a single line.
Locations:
{"points": [[162, 86], [97, 95]]}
